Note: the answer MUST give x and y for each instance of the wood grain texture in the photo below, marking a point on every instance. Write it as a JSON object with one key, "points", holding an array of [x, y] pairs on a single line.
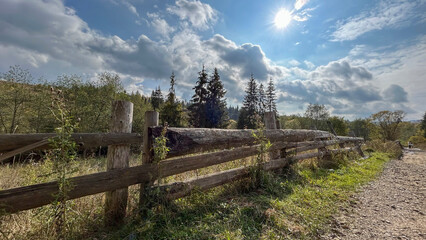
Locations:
{"points": [[5, 157], [183, 141], [9, 142], [118, 158]]}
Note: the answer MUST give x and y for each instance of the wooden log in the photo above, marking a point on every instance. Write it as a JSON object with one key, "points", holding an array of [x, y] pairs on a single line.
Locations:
{"points": [[179, 165], [182, 189], [183, 141], [313, 145], [118, 158], [349, 139], [269, 120], [270, 123], [4, 157], [151, 120], [23, 198], [9, 142]]}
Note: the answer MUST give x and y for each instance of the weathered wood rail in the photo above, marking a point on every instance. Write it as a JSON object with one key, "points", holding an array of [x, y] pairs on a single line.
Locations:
{"points": [[9, 142], [230, 145]]}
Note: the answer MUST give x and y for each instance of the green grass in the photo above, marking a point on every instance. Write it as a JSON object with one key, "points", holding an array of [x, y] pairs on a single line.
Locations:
{"points": [[296, 204]]}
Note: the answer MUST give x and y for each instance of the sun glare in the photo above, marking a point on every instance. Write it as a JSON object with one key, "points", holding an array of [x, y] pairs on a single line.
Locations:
{"points": [[282, 18]]}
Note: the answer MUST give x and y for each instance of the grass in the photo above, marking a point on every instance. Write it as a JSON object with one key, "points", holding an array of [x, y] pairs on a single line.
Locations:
{"points": [[296, 204]]}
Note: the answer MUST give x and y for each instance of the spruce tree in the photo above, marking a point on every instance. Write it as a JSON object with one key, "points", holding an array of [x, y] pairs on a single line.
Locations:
{"points": [[249, 115], [262, 100], [198, 102], [271, 98], [171, 112], [216, 104], [157, 98]]}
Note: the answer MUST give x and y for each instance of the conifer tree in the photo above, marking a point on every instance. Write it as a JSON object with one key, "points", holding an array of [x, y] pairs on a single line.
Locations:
{"points": [[271, 98], [262, 100], [249, 115], [198, 102], [157, 98], [171, 112], [217, 116]]}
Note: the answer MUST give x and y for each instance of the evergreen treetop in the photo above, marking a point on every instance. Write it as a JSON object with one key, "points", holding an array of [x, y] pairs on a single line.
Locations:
{"points": [[271, 98], [251, 99], [198, 102], [216, 104], [262, 99]]}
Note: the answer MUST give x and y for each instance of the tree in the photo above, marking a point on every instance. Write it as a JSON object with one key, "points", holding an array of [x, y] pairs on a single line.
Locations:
{"points": [[262, 100], [14, 100], [318, 114], [339, 125], [271, 98], [360, 128], [388, 123], [423, 125], [249, 115], [172, 112], [216, 104], [39, 115], [91, 101], [157, 98], [233, 112], [198, 102]]}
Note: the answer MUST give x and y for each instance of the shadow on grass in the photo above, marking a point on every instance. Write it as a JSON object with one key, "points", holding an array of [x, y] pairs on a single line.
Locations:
{"points": [[234, 211]]}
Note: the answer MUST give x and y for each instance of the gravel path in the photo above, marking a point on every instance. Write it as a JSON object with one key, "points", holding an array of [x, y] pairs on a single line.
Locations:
{"points": [[392, 207]]}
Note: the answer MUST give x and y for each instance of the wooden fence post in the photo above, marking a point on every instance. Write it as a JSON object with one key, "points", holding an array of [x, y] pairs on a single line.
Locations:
{"points": [[271, 123], [358, 148], [118, 157], [151, 120]]}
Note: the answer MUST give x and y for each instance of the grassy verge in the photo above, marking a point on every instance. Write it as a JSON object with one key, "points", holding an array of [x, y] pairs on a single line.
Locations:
{"points": [[295, 204]]}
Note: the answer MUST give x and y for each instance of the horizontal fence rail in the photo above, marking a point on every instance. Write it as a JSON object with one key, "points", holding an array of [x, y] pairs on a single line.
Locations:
{"points": [[28, 197], [183, 141], [9, 142]]}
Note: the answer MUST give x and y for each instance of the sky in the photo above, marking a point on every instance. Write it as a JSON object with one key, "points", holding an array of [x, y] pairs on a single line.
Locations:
{"points": [[355, 57]]}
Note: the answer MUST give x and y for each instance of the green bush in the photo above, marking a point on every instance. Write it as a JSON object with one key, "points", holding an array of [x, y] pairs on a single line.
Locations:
{"points": [[386, 147], [417, 139]]}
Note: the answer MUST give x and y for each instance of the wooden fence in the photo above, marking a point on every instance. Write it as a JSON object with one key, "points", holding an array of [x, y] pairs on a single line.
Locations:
{"points": [[190, 149]]}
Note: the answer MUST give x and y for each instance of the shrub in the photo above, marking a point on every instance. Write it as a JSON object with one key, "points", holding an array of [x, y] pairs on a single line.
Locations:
{"points": [[387, 147], [417, 139]]}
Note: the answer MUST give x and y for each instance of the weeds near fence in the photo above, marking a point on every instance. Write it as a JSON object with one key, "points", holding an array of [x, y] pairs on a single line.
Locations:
{"points": [[154, 195], [62, 154], [256, 170]]}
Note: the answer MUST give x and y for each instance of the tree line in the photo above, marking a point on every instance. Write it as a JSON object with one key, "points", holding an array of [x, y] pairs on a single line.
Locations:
{"points": [[25, 107]]}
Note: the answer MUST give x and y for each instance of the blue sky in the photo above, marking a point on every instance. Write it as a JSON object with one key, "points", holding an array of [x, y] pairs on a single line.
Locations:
{"points": [[356, 57]]}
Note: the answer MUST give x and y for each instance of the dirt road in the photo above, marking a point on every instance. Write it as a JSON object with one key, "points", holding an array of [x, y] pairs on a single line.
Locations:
{"points": [[392, 207]]}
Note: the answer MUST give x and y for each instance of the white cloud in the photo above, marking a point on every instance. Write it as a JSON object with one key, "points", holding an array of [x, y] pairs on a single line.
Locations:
{"points": [[303, 15], [200, 15], [131, 8], [160, 25], [294, 62], [308, 64], [300, 3], [387, 14]]}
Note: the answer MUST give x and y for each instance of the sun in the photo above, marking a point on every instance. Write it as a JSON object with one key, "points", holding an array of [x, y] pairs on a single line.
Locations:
{"points": [[282, 18]]}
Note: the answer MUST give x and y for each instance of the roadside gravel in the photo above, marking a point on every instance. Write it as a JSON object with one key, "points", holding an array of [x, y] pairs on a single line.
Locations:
{"points": [[391, 207]]}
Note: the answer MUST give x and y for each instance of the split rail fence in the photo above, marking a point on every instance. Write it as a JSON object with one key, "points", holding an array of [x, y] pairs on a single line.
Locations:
{"points": [[189, 149]]}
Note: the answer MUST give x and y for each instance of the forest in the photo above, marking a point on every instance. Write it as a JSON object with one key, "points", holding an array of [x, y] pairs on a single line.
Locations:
{"points": [[26, 107]]}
